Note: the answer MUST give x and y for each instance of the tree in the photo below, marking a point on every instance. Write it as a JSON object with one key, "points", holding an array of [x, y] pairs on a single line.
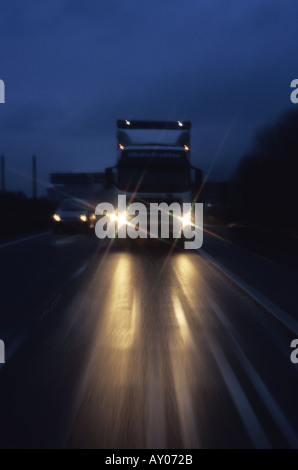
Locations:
{"points": [[268, 173]]}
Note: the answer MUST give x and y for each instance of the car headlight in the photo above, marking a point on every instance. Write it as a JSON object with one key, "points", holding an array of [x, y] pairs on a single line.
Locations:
{"points": [[57, 218], [84, 218]]}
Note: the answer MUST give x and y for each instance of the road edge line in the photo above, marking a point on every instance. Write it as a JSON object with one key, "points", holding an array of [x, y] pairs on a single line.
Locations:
{"points": [[22, 240], [278, 313]]}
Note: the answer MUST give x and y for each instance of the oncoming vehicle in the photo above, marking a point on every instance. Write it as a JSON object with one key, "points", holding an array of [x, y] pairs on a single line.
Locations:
{"points": [[74, 214], [154, 169]]}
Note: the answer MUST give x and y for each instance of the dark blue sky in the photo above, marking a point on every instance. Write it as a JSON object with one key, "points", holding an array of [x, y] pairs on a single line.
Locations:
{"points": [[71, 68]]}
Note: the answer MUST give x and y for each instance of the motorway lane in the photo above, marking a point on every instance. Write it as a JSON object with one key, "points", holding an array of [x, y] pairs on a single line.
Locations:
{"points": [[32, 274], [142, 349]]}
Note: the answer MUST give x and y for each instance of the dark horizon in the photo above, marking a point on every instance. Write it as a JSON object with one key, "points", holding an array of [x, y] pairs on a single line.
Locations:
{"points": [[70, 71]]}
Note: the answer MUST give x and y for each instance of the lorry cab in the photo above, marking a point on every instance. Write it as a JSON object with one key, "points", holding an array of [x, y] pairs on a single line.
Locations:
{"points": [[153, 163]]}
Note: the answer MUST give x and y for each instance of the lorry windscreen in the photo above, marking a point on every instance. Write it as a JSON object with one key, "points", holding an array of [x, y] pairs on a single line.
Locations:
{"points": [[150, 180]]}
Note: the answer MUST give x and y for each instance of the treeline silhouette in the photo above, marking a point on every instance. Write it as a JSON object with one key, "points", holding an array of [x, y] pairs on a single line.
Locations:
{"points": [[267, 176], [20, 214]]}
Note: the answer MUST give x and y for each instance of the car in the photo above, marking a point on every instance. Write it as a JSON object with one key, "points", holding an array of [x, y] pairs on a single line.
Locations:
{"points": [[74, 215]]}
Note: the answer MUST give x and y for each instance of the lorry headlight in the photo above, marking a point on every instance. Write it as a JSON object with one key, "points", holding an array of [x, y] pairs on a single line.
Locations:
{"points": [[84, 218], [57, 218], [113, 217], [186, 220], [122, 219]]}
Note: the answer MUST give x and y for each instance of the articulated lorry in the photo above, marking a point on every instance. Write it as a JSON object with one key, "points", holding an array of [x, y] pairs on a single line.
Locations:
{"points": [[157, 173]]}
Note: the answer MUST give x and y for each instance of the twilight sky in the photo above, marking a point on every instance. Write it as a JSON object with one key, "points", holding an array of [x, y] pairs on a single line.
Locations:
{"points": [[71, 68]]}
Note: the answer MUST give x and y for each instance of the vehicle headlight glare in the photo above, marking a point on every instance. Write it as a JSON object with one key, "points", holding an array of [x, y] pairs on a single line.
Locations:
{"points": [[122, 219], [186, 220]]}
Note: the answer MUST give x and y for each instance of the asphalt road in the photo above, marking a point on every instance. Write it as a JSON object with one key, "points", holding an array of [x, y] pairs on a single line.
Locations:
{"points": [[143, 347]]}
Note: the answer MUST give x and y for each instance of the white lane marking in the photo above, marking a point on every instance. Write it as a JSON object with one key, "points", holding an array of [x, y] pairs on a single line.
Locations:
{"points": [[268, 400], [64, 241], [22, 240], [79, 271], [184, 403], [277, 312], [156, 433], [182, 322], [249, 419], [182, 387]]}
